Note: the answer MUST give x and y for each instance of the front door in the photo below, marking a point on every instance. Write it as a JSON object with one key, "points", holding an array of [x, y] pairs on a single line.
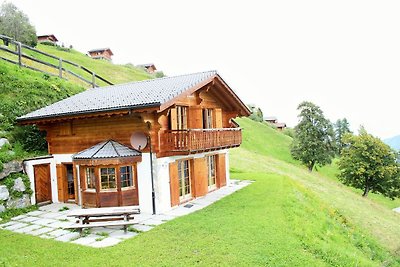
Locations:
{"points": [[70, 181], [42, 183]]}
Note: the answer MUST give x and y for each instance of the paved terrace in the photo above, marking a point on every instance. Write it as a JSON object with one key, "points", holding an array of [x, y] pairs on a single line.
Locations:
{"points": [[49, 221]]}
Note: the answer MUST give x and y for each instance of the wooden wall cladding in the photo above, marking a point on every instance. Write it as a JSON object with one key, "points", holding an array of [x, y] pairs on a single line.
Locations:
{"points": [[91, 131]]}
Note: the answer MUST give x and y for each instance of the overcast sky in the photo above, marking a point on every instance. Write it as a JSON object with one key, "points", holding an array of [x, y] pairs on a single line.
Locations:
{"points": [[342, 55]]}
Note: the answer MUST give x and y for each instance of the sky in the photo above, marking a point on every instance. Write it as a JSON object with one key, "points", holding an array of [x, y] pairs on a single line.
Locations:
{"points": [[344, 56]]}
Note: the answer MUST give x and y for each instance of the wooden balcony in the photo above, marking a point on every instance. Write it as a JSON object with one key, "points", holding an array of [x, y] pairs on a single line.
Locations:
{"points": [[178, 142]]}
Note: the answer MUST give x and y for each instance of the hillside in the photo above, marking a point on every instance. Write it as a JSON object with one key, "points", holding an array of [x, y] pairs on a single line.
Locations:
{"points": [[287, 217], [22, 91], [112, 72], [393, 142]]}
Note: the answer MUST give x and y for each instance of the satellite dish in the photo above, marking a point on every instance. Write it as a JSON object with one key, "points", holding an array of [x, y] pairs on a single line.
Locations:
{"points": [[139, 140]]}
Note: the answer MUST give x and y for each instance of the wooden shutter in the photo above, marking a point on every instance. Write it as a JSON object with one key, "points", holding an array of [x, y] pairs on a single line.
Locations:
{"points": [[218, 118], [173, 115], [60, 182], [174, 183], [221, 170], [200, 177]]}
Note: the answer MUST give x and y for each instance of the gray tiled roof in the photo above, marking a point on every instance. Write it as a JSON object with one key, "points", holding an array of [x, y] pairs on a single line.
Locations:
{"points": [[106, 150], [148, 93]]}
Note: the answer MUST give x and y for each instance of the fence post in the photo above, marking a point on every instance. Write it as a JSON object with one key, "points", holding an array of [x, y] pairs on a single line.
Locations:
{"points": [[60, 67], [93, 79], [19, 53]]}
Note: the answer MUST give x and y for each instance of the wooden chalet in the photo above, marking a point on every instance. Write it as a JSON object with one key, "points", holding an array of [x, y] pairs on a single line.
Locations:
{"points": [[150, 67], [47, 38], [101, 53], [155, 143], [274, 122]]}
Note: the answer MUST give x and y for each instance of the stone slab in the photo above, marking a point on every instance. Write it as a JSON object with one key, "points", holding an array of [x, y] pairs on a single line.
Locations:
{"points": [[28, 229], [41, 231], [120, 234], [152, 222], [59, 224], [49, 215], [45, 222], [16, 226], [106, 242], [142, 228], [86, 240], [19, 217], [68, 237], [29, 219], [58, 233], [35, 213]]}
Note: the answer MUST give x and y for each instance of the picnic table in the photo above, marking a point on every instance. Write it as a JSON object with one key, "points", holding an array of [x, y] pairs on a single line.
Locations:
{"points": [[102, 217]]}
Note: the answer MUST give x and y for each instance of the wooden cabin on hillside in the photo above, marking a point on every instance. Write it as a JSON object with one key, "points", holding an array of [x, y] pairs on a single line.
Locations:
{"points": [[155, 143], [101, 53], [47, 38], [150, 67]]}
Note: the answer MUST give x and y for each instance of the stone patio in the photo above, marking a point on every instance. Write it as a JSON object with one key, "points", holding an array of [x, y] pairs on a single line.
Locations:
{"points": [[48, 222]]}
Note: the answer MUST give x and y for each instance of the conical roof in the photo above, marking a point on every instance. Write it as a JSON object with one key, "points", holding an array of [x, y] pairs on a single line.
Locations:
{"points": [[106, 150]]}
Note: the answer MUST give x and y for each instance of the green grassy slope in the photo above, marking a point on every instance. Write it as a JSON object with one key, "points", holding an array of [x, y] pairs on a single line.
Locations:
{"points": [[287, 217], [111, 72], [22, 91]]}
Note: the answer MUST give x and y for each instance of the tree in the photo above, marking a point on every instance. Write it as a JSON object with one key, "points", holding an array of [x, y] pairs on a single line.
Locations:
{"points": [[256, 113], [14, 23], [369, 164], [342, 127], [314, 137]]}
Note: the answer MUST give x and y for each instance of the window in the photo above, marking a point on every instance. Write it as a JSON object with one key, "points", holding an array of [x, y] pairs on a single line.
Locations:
{"points": [[90, 179], [185, 191], [181, 120], [211, 172], [207, 118], [107, 178], [126, 175]]}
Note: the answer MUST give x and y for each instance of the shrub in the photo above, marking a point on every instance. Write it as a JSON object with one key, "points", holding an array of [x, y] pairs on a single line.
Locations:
{"points": [[30, 138]]}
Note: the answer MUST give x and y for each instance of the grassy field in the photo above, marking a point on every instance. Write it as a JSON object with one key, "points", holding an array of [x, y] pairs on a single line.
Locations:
{"points": [[287, 217], [111, 72]]}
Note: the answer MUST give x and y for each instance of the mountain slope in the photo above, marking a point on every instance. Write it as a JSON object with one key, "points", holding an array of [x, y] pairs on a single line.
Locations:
{"points": [[393, 142]]}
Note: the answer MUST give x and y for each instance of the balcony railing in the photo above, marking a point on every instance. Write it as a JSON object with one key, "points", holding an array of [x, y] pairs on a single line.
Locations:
{"points": [[198, 140]]}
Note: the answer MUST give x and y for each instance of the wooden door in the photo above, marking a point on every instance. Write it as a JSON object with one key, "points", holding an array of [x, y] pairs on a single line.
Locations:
{"points": [[42, 183]]}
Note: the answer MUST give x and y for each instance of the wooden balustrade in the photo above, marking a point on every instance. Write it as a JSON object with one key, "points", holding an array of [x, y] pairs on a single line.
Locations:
{"points": [[199, 140]]}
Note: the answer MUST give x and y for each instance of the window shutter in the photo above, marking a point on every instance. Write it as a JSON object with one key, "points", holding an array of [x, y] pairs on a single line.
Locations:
{"points": [[221, 170], [174, 183], [218, 118]]}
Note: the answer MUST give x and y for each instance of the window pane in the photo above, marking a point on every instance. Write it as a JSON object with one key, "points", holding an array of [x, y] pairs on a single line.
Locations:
{"points": [[126, 176], [107, 178], [90, 178]]}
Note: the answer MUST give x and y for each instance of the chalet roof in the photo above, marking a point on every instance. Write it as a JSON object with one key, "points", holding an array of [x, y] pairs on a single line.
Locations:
{"points": [[280, 124], [48, 35], [106, 150], [147, 65], [101, 50], [271, 118], [129, 96]]}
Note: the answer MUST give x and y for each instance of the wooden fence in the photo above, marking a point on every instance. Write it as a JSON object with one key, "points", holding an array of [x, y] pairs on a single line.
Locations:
{"points": [[60, 67]]}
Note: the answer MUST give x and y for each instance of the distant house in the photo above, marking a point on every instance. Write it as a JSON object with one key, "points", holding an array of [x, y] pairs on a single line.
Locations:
{"points": [[150, 67], [101, 53], [271, 119], [47, 38], [274, 122]]}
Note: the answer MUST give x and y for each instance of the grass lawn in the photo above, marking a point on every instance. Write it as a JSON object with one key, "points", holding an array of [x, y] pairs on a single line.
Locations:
{"points": [[287, 217]]}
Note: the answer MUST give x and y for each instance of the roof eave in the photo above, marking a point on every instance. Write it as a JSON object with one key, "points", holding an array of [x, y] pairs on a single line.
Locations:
{"points": [[66, 115]]}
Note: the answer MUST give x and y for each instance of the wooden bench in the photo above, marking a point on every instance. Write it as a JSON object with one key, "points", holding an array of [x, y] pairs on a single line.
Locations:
{"points": [[103, 217]]}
